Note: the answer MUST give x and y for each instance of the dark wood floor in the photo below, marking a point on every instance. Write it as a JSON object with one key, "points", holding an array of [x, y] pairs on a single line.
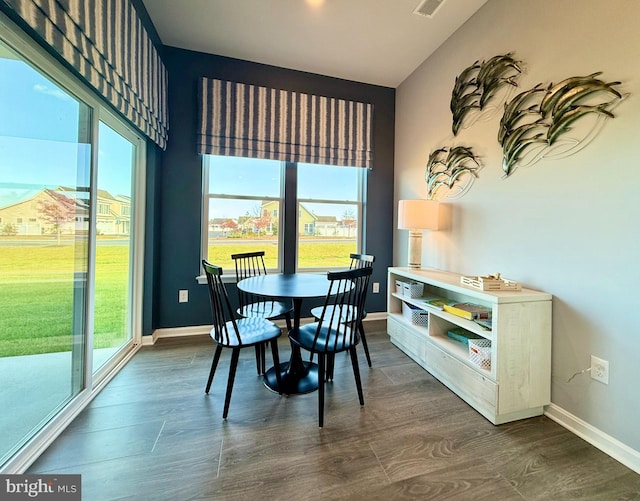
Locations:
{"points": [[152, 434]]}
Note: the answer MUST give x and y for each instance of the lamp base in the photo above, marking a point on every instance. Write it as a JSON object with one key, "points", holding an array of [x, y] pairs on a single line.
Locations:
{"points": [[415, 249]]}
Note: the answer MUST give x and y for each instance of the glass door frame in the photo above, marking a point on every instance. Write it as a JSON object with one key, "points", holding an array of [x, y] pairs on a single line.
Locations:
{"points": [[136, 253]]}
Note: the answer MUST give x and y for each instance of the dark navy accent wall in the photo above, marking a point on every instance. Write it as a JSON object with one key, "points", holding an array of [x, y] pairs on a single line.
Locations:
{"points": [[180, 185]]}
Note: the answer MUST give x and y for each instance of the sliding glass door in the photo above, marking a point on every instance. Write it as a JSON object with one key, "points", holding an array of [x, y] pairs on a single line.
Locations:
{"points": [[70, 246]]}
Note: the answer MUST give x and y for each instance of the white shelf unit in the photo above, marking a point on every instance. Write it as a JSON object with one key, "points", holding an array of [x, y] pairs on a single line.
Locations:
{"points": [[518, 385]]}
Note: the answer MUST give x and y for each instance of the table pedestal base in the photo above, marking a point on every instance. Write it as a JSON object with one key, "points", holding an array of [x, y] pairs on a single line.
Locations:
{"points": [[305, 380]]}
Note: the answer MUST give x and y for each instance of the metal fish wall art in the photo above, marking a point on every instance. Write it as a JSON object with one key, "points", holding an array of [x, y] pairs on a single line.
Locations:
{"points": [[479, 83], [536, 127], [450, 171]]}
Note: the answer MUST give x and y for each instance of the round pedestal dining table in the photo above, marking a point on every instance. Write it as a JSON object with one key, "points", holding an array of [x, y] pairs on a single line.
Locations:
{"points": [[297, 376]]}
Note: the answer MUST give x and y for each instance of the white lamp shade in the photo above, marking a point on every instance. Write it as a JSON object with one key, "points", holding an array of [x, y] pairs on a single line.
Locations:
{"points": [[418, 215]]}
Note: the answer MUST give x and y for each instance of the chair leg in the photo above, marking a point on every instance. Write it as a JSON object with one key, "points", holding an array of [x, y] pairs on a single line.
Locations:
{"points": [[287, 318], [259, 360], [232, 375], [356, 373], [214, 364], [276, 363], [364, 342], [331, 363], [321, 375]]}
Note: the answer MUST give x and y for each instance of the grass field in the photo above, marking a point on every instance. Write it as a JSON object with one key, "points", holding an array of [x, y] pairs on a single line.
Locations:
{"points": [[37, 290]]}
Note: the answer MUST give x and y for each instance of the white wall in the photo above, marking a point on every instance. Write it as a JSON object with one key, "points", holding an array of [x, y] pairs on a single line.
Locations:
{"points": [[569, 227]]}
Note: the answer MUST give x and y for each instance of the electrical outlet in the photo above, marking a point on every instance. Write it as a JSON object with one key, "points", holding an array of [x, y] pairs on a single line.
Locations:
{"points": [[183, 296], [599, 370], [376, 287]]}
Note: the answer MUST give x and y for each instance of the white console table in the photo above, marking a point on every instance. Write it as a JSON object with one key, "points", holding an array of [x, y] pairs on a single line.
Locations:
{"points": [[518, 384]]}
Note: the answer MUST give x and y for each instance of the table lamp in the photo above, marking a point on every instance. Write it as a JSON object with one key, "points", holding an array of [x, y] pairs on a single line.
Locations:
{"points": [[416, 216]]}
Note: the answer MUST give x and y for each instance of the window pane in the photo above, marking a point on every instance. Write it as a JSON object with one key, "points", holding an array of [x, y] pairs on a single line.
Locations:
{"points": [[244, 176], [44, 206], [327, 182], [243, 209], [328, 231], [112, 326]]}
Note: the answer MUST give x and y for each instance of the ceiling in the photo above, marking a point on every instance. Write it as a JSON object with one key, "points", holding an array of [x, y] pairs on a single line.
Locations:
{"points": [[378, 42]]}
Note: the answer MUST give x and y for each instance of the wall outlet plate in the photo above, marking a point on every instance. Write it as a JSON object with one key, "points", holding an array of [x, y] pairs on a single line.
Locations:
{"points": [[599, 370], [183, 296]]}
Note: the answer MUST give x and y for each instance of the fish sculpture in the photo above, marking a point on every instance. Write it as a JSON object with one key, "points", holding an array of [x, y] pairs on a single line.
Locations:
{"points": [[564, 103], [478, 84], [554, 109], [446, 167]]}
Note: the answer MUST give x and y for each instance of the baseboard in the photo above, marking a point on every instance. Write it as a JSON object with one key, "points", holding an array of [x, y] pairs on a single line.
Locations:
{"points": [[606, 443], [192, 330]]}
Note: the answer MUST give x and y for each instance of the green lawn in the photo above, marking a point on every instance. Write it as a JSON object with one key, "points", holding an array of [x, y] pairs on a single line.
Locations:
{"points": [[37, 289], [313, 253]]}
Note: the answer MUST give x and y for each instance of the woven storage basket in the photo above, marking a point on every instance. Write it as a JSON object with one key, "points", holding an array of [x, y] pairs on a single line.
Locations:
{"points": [[415, 315], [480, 352], [412, 289]]}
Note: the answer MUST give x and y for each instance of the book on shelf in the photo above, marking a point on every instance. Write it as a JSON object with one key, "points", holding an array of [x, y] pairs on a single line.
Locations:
{"points": [[461, 335], [484, 323], [437, 302], [469, 311]]}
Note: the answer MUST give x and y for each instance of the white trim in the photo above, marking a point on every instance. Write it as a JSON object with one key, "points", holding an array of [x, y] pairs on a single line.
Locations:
{"points": [[192, 330], [606, 443]]}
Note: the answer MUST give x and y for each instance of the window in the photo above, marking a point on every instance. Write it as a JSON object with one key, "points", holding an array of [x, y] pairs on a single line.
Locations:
{"points": [[242, 200], [329, 210], [245, 202]]}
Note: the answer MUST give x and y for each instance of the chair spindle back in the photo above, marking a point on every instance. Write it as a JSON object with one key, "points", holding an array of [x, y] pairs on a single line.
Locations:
{"points": [[249, 264], [344, 306], [220, 305]]}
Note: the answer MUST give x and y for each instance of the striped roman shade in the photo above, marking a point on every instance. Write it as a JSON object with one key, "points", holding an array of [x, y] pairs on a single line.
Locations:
{"points": [[250, 121], [104, 40]]}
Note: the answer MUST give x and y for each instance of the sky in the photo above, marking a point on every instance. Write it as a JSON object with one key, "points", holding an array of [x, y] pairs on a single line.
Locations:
{"points": [[261, 178], [39, 129]]}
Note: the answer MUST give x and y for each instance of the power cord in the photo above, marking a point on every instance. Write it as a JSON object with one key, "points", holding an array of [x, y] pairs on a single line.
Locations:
{"points": [[577, 373]]}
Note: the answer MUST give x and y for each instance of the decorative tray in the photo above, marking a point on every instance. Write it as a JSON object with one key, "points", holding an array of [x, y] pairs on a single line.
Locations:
{"points": [[490, 283]]}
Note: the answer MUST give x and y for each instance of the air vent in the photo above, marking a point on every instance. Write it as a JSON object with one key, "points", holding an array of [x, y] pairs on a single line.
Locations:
{"points": [[428, 8]]}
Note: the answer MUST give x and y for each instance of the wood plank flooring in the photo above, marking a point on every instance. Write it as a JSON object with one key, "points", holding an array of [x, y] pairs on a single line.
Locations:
{"points": [[153, 434]]}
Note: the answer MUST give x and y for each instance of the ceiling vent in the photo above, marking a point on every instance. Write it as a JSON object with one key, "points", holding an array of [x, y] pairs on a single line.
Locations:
{"points": [[428, 8]]}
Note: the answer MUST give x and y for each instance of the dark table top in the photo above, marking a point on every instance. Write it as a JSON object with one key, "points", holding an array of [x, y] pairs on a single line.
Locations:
{"points": [[289, 285]]}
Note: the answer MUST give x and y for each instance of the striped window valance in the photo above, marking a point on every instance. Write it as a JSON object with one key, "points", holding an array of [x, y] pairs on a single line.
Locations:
{"points": [[105, 41], [251, 121]]}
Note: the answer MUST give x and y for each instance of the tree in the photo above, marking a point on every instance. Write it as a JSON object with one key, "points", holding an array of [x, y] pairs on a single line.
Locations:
{"points": [[229, 224], [9, 229], [261, 219], [349, 220], [60, 210]]}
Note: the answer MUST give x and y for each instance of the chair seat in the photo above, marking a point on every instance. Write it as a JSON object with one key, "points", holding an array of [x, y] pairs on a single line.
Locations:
{"points": [[265, 309], [317, 312], [326, 342], [253, 330]]}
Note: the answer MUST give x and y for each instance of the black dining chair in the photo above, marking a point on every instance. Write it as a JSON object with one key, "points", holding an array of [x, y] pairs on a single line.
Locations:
{"points": [[228, 332], [251, 264], [337, 327], [357, 261]]}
